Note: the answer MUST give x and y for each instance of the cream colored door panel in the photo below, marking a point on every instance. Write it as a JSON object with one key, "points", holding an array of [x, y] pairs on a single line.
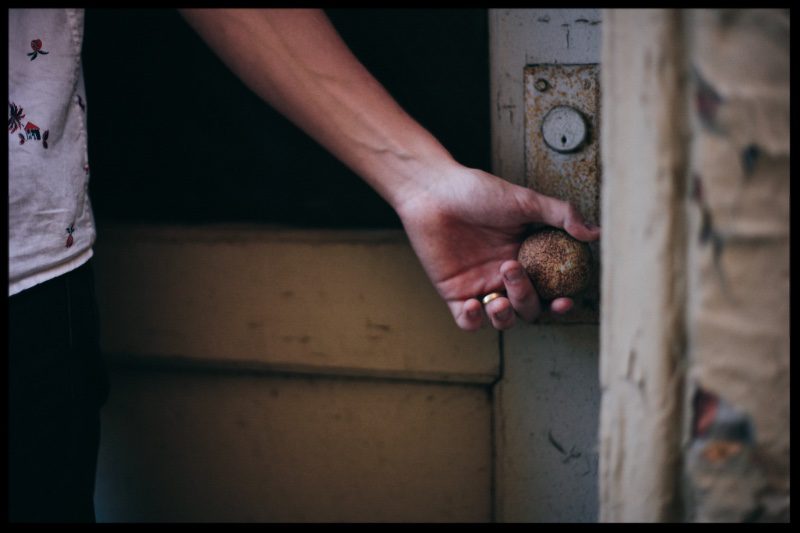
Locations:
{"points": [[351, 303], [287, 375]]}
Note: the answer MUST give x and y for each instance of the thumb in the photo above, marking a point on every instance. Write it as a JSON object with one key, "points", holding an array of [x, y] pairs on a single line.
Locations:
{"points": [[566, 216]]}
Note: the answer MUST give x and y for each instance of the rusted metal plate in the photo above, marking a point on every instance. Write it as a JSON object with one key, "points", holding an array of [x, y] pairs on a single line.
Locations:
{"points": [[572, 174]]}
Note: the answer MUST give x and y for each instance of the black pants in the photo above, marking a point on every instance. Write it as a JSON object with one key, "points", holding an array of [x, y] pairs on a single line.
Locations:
{"points": [[57, 385]]}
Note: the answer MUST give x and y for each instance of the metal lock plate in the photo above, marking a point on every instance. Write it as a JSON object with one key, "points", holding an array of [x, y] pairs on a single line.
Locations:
{"points": [[562, 153]]}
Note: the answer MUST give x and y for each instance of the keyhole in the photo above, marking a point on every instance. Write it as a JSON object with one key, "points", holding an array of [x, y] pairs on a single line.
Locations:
{"points": [[564, 129]]}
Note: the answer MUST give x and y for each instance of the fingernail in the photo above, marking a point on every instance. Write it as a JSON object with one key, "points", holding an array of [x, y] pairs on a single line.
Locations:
{"points": [[515, 274], [504, 314]]}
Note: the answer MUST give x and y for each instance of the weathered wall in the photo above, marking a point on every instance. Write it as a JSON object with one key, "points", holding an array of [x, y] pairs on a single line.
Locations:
{"points": [[738, 264], [695, 327]]}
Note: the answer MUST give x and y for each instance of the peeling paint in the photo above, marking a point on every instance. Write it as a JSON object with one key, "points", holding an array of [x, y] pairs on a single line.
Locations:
{"points": [[715, 419], [737, 461], [723, 471], [707, 102], [750, 156]]}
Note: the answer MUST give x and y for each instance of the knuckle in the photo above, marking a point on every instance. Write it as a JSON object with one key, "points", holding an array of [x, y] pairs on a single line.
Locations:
{"points": [[523, 295], [468, 326], [504, 324]]}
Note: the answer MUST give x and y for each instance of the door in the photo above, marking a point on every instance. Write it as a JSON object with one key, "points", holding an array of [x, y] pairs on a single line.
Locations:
{"points": [[263, 375], [259, 374], [547, 402], [270, 373]]}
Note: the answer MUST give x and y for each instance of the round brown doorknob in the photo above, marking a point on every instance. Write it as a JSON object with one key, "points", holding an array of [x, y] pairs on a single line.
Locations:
{"points": [[557, 263]]}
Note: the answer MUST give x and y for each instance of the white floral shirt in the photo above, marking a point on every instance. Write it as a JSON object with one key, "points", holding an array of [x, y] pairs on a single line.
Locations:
{"points": [[51, 226]]}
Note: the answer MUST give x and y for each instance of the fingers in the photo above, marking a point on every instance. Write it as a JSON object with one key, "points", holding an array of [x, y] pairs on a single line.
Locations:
{"points": [[561, 305], [564, 215], [472, 314], [521, 299], [468, 315], [521, 294], [500, 313]]}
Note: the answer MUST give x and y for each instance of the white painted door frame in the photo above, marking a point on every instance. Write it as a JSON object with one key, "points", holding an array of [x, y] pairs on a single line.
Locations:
{"points": [[547, 402]]}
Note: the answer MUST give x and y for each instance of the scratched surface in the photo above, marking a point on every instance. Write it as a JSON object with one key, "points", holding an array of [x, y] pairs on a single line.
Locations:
{"points": [[550, 403], [233, 447], [549, 386], [574, 176], [332, 302], [522, 37]]}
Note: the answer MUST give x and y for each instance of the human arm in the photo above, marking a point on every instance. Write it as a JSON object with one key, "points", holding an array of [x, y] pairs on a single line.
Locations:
{"points": [[464, 224]]}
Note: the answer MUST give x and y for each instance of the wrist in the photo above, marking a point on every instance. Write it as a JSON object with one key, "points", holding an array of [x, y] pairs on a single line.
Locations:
{"points": [[416, 176]]}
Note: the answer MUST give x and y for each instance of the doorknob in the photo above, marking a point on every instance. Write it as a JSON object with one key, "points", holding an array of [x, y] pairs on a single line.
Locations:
{"points": [[562, 155]]}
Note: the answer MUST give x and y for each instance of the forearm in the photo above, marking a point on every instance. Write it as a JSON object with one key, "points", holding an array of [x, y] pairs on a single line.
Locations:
{"points": [[295, 60]]}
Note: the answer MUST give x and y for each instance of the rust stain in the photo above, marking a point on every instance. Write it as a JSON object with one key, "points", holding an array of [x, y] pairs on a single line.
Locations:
{"points": [[571, 177], [720, 451]]}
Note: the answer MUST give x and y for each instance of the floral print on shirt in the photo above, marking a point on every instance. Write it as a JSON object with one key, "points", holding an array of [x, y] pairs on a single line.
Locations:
{"points": [[36, 45]]}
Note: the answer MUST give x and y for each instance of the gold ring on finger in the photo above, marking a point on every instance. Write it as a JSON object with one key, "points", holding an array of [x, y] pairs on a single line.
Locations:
{"points": [[490, 297]]}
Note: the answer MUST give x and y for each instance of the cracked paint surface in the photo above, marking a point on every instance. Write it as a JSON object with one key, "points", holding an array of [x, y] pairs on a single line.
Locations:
{"points": [[737, 462]]}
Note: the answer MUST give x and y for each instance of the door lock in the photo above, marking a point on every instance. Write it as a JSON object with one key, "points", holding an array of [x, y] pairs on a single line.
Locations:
{"points": [[564, 129], [562, 155]]}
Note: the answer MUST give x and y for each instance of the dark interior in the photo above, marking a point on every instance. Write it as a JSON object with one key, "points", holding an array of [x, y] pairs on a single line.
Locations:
{"points": [[175, 137]]}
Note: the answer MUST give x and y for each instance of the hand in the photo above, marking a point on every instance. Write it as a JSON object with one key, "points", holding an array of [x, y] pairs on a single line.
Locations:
{"points": [[466, 228], [465, 225]]}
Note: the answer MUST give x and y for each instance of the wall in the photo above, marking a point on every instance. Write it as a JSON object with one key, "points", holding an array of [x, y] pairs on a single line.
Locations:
{"points": [[737, 461], [695, 332]]}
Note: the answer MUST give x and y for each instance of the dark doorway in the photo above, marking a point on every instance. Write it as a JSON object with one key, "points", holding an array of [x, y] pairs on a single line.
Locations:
{"points": [[175, 137]]}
